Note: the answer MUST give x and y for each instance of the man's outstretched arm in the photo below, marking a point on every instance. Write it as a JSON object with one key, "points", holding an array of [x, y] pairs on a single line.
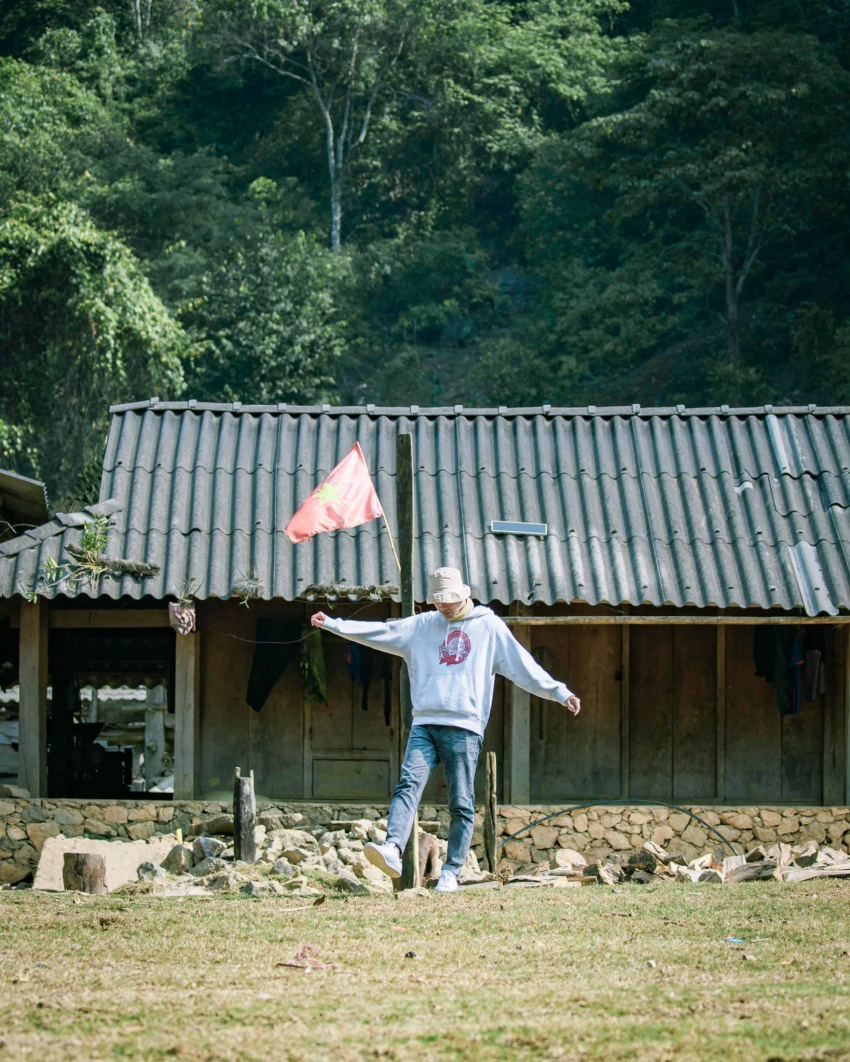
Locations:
{"points": [[391, 637], [517, 664]]}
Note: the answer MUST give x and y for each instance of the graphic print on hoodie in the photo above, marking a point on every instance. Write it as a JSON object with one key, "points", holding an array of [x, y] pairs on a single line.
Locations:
{"points": [[455, 648], [453, 663]]}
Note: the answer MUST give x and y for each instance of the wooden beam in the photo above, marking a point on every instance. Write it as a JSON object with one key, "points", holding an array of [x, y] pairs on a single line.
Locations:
{"points": [[720, 709], [703, 621], [406, 545], [625, 711], [32, 677], [187, 696], [115, 618], [518, 704]]}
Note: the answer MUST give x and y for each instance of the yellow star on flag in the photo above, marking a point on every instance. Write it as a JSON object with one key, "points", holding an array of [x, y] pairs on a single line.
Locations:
{"points": [[328, 492]]}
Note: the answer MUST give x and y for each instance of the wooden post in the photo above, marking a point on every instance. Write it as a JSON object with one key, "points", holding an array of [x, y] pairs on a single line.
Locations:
{"points": [[244, 818], [720, 707], [846, 707], [519, 732], [491, 815], [404, 508], [155, 709], [32, 719], [625, 710], [187, 709], [84, 872]]}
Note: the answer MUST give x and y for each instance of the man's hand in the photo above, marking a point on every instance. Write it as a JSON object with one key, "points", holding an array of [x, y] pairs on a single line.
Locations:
{"points": [[318, 620], [573, 704]]}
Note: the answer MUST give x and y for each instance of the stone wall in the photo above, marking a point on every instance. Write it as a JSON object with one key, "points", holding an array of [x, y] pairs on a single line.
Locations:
{"points": [[595, 832]]}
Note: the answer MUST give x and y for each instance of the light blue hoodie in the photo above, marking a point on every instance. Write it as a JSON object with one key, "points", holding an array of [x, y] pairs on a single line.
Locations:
{"points": [[453, 663]]}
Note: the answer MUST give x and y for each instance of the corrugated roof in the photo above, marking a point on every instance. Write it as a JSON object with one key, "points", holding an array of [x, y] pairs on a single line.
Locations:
{"points": [[23, 503], [716, 507]]}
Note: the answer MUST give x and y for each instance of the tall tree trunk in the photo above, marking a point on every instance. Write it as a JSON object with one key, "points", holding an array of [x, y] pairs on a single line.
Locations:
{"points": [[336, 213], [732, 289]]}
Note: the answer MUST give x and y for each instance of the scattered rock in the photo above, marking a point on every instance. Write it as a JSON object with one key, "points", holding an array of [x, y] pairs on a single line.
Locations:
{"points": [[295, 839], [224, 882], [284, 869], [207, 847], [258, 888], [151, 873], [207, 866], [352, 884], [568, 857], [180, 859], [297, 855]]}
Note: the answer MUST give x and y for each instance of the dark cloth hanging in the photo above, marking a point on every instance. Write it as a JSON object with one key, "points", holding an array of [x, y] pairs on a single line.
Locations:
{"points": [[779, 659], [814, 646], [360, 664], [313, 666], [271, 660], [815, 676], [387, 675]]}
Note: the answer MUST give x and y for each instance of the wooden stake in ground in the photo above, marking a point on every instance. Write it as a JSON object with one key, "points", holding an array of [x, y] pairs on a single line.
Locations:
{"points": [[84, 873], [491, 815], [244, 818], [404, 508]]}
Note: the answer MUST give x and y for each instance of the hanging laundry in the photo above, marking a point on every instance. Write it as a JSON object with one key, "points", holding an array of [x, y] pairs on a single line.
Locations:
{"points": [[313, 666], [359, 662], [779, 659], [814, 647], [277, 643]]}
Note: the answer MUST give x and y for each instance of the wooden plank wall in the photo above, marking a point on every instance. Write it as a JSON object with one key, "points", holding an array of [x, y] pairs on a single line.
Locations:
{"points": [[273, 742], [672, 726], [769, 756], [578, 756], [680, 746]]}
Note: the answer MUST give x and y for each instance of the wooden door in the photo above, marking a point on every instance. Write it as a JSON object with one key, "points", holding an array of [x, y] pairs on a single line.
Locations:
{"points": [[351, 743]]}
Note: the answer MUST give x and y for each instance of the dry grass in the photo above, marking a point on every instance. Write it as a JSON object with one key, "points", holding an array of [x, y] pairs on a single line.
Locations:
{"points": [[532, 974]]}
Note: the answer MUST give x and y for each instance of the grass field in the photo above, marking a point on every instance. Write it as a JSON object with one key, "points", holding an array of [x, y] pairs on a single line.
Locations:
{"points": [[526, 974]]}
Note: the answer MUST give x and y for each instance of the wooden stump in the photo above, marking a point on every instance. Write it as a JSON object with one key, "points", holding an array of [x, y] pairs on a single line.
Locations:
{"points": [[491, 815], [84, 873], [244, 818], [410, 878]]}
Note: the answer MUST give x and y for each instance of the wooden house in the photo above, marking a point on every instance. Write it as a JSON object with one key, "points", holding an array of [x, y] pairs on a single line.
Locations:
{"points": [[645, 556]]}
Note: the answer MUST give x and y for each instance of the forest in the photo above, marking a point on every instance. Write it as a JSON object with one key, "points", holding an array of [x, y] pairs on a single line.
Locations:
{"points": [[416, 201]]}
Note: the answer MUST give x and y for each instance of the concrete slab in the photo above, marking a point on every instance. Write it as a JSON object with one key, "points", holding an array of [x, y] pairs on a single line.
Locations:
{"points": [[123, 858]]}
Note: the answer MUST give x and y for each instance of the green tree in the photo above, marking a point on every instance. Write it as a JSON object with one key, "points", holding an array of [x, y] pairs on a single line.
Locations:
{"points": [[694, 195], [266, 322], [341, 52], [79, 328]]}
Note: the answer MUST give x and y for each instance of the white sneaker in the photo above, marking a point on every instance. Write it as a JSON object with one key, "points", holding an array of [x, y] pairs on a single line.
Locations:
{"points": [[385, 857], [447, 882]]}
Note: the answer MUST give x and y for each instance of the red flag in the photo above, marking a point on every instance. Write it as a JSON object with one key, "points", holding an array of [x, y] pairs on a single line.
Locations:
{"points": [[346, 498]]}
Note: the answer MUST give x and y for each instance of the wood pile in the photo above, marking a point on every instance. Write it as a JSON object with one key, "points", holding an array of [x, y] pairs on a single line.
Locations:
{"points": [[782, 862]]}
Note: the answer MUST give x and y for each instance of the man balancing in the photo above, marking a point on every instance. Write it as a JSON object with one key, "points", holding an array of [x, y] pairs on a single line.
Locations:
{"points": [[453, 656]]}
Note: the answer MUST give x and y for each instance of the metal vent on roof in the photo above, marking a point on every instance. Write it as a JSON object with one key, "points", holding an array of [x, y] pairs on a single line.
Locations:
{"points": [[516, 527]]}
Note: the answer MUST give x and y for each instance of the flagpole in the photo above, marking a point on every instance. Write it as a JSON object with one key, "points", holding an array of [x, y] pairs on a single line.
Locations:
{"points": [[392, 541]]}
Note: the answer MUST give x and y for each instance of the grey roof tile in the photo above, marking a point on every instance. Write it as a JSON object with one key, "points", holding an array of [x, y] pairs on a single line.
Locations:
{"points": [[706, 507]]}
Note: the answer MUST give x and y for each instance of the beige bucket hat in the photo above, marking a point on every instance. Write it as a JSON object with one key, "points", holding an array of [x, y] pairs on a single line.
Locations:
{"points": [[445, 586]]}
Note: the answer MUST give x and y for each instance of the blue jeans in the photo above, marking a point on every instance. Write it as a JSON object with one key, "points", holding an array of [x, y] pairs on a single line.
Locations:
{"points": [[457, 749]]}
